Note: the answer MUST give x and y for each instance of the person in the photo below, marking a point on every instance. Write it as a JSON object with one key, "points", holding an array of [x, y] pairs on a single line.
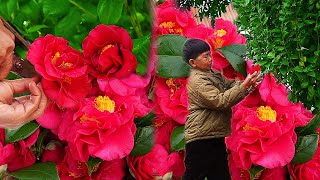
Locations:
{"points": [[210, 97], [15, 111]]}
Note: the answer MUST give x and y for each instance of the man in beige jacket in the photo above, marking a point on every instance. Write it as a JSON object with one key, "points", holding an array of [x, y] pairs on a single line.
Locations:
{"points": [[211, 97]]}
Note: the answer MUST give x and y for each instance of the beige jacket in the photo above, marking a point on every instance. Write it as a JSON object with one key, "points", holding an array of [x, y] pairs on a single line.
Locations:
{"points": [[210, 97]]}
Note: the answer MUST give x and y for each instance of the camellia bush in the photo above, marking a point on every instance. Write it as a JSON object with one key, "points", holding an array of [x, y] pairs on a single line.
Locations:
{"points": [[283, 37], [118, 99]]}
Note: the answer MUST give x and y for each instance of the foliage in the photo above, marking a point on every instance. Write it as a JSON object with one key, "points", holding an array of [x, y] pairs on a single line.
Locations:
{"points": [[283, 37], [209, 8]]}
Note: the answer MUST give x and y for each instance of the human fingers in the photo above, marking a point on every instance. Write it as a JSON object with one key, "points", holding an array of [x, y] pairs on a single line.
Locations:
{"points": [[42, 105], [20, 85]]}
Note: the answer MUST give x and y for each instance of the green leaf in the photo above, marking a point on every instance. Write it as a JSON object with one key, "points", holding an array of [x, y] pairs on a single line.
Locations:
{"points": [[233, 53], [310, 128], [109, 12], [170, 44], [170, 63], [55, 8], [141, 49], [66, 27], [177, 141], [39, 143], [92, 164], [143, 141], [39, 171], [172, 67], [306, 147], [21, 132], [255, 171], [145, 121]]}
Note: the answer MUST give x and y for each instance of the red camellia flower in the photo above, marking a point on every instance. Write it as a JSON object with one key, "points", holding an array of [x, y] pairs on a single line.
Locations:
{"points": [[251, 68], [108, 50], [17, 155], [200, 32], [225, 33], [105, 128], [70, 168], [263, 127], [156, 164], [62, 69], [171, 98], [110, 170], [170, 20], [134, 87]]}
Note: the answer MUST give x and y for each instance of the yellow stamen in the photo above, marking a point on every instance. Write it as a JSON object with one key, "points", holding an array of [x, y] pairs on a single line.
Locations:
{"points": [[218, 43], [221, 32], [265, 113], [66, 65], [169, 25], [173, 87], [247, 127], [55, 57], [104, 103], [67, 79], [86, 118], [72, 174], [105, 48]]}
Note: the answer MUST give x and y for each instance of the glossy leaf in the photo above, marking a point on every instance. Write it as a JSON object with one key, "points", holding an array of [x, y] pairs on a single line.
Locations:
{"points": [[21, 132], [255, 171], [145, 121], [143, 141], [37, 171], [177, 141], [234, 54], [306, 147], [310, 128]]}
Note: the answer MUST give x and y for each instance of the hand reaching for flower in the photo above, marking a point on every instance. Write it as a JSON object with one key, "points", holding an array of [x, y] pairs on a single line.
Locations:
{"points": [[251, 80], [6, 50], [15, 111]]}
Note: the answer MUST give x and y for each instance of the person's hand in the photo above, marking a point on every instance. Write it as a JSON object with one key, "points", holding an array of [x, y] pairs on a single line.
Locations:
{"points": [[251, 80], [19, 110], [6, 51]]}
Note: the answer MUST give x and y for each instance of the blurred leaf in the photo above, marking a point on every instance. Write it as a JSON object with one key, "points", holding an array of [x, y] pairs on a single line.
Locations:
{"points": [[306, 147], [143, 141], [92, 164], [39, 171], [233, 53], [255, 171], [66, 27], [21, 132], [177, 141], [141, 48], [36, 28], [109, 11], [145, 121], [170, 63], [39, 143], [55, 8]]}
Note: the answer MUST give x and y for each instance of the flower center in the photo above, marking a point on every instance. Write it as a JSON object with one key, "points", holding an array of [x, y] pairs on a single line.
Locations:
{"points": [[65, 65], [218, 43], [104, 103], [67, 79], [171, 26], [247, 127], [265, 113], [172, 85], [221, 32], [55, 57], [86, 118], [105, 48]]}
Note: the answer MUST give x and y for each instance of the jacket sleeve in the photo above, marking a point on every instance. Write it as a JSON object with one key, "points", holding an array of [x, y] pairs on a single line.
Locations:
{"points": [[210, 96]]}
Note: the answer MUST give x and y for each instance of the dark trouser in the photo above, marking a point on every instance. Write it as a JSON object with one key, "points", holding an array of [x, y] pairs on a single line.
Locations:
{"points": [[206, 158]]}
